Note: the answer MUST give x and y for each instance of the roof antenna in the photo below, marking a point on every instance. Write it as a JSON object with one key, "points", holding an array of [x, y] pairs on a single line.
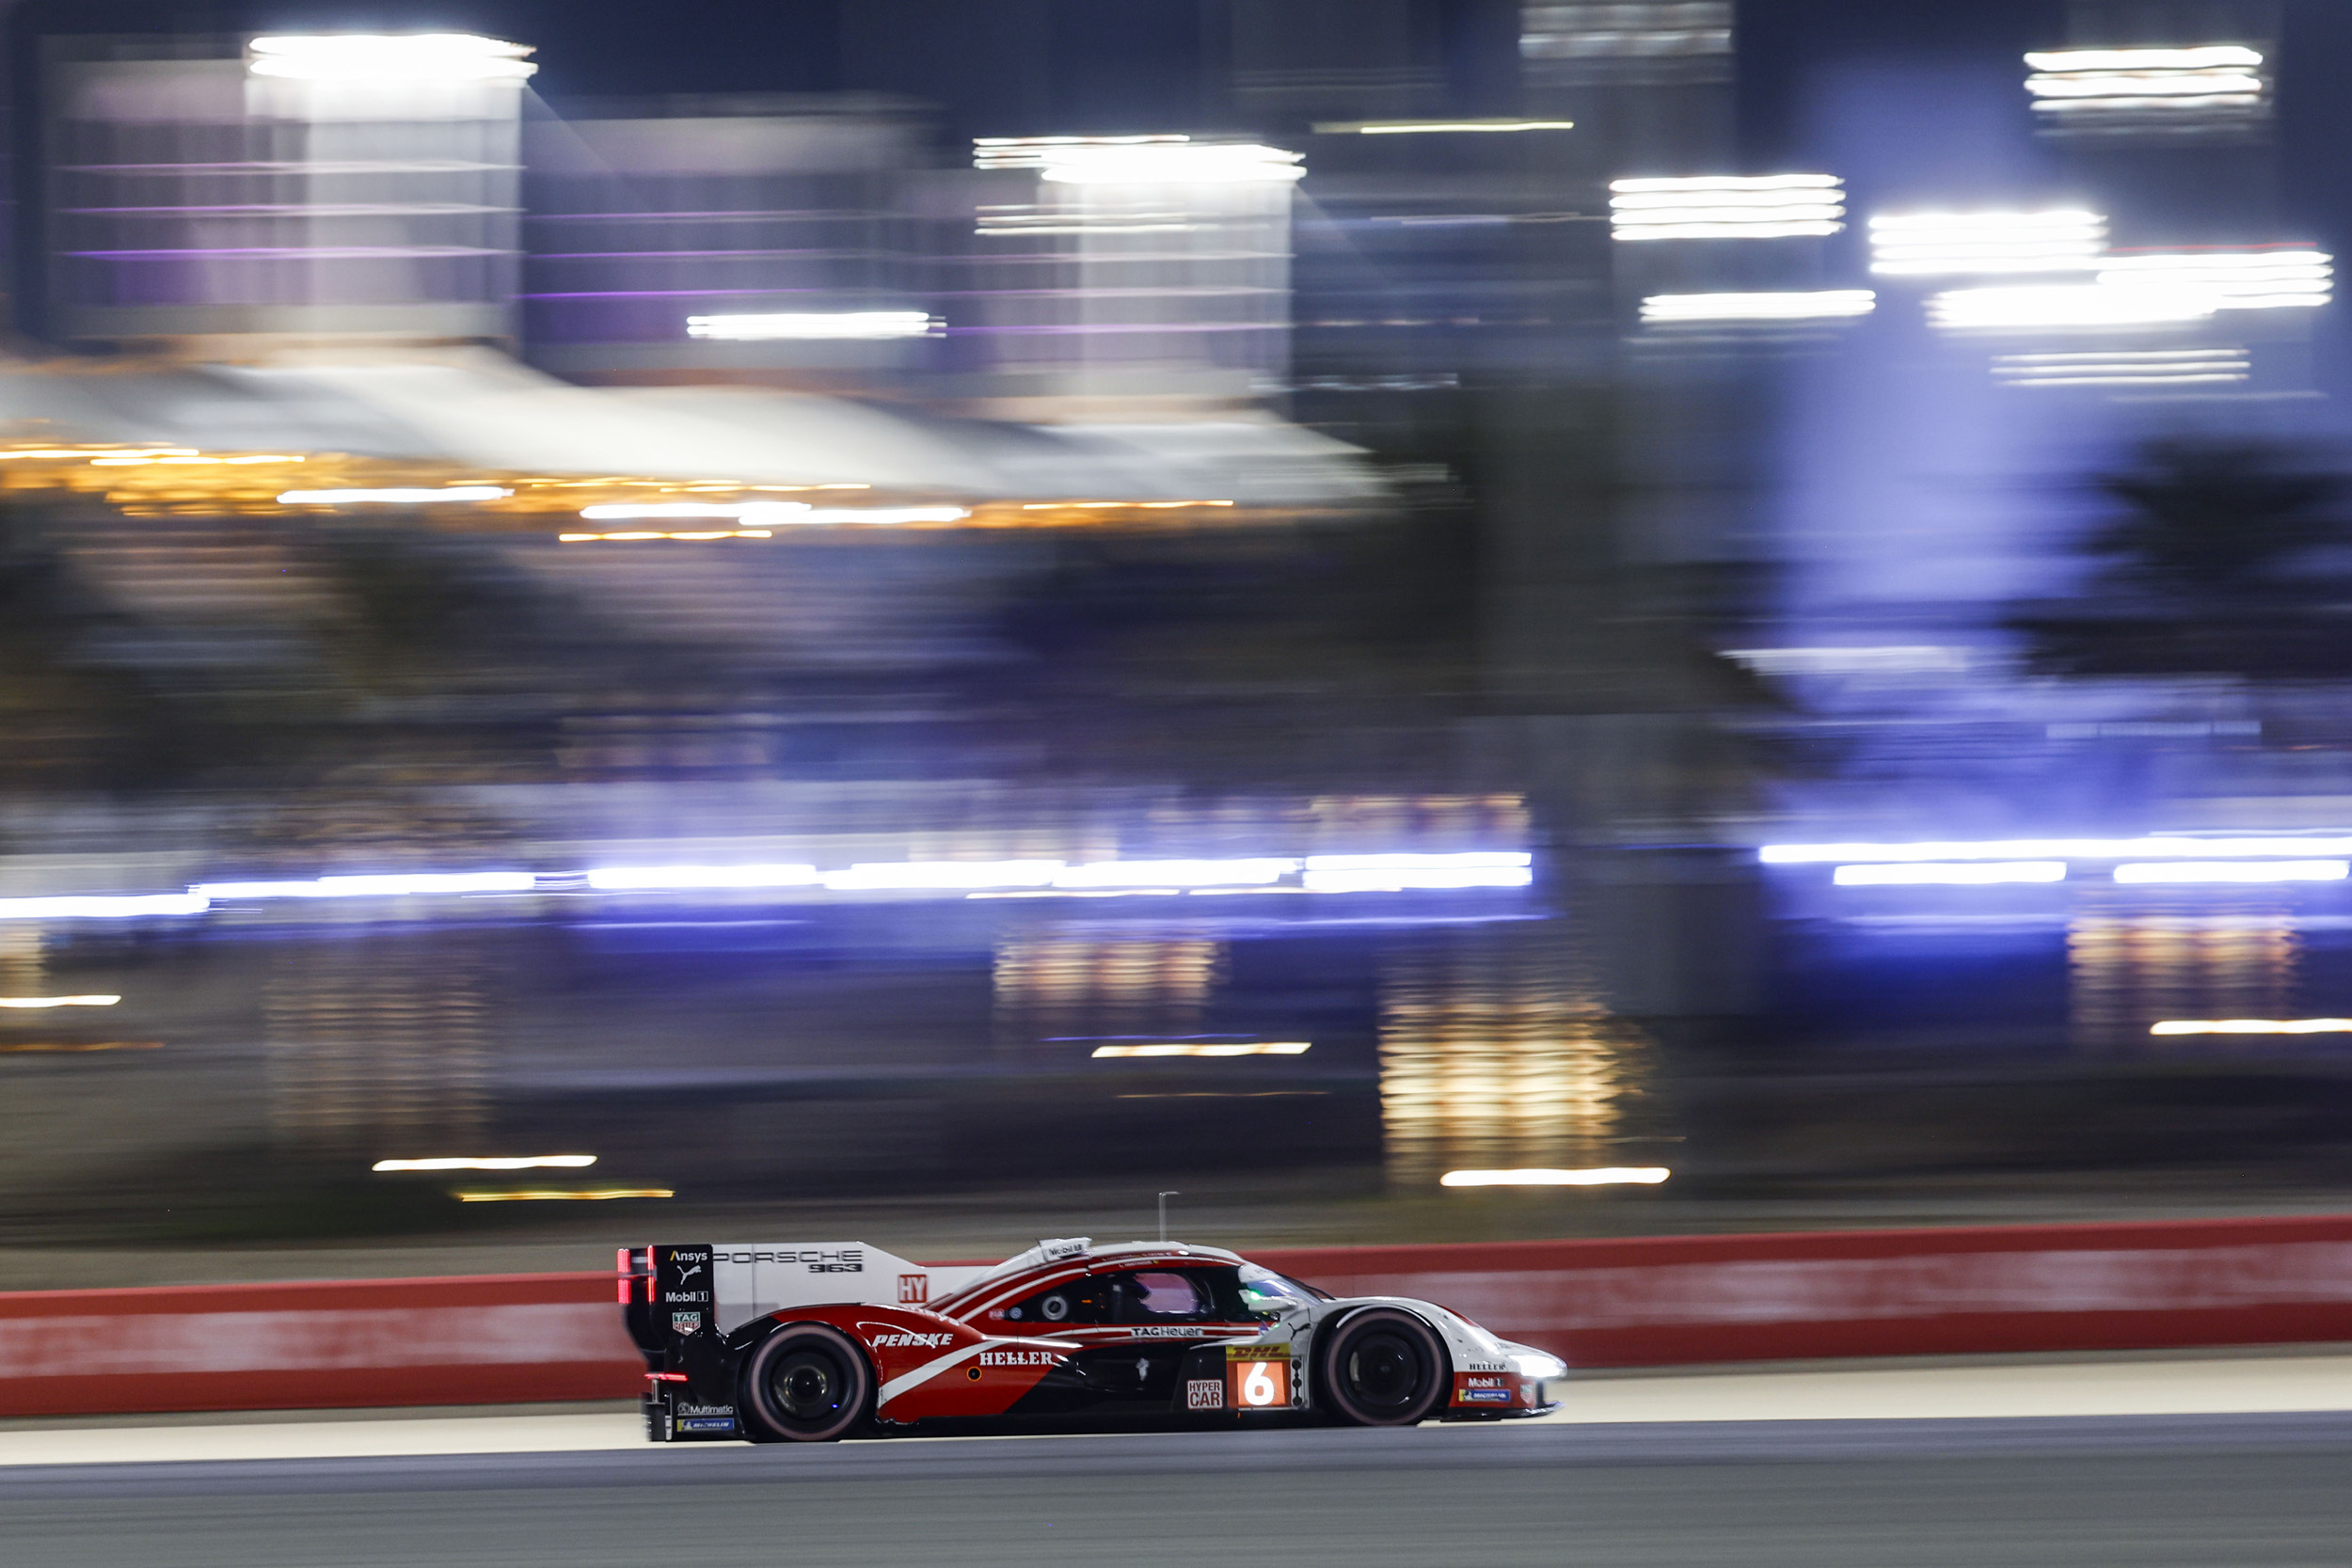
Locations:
{"points": [[1164, 1197]]}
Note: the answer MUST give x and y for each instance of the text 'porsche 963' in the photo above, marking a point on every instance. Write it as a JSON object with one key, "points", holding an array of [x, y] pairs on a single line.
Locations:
{"points": [[810, 1341]]}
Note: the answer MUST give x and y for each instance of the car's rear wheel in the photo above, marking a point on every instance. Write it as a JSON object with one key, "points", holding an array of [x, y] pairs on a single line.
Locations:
{"points": [[805, 1384], [1382, 1368]]}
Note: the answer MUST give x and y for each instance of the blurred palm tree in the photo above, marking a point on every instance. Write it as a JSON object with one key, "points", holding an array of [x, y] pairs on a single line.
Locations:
{"points": [[2223, 560]]}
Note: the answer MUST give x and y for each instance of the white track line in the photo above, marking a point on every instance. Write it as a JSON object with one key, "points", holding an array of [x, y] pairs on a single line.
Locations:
{"points": [[2237, 1386]]}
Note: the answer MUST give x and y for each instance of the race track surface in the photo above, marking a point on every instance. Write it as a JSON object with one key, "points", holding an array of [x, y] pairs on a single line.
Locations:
{"points": [[2197, 1489]]}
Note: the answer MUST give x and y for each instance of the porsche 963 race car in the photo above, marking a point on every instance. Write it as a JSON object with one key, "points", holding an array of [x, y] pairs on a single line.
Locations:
{"points": [[811, 1341]]}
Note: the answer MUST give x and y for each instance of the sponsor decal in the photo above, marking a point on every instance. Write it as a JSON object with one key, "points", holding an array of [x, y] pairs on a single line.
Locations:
{"points": [[1488, 1383], [880, 1336], [1055, 1251], [1484, 1367], [686, 1295], [705, 1423], [914, 1288], [686, 1274], [1204, 1393], [816, 1259], [687, 1408], [1019, 1358], [1487, 1396], [1280, 1352], [686, 1322], [1164, 1331]]}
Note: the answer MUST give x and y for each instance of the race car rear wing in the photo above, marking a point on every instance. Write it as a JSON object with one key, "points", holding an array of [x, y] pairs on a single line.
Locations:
{"points": [[685, 1288]]}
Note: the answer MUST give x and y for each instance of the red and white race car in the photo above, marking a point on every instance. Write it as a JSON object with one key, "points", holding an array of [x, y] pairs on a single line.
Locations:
{"points": [[812, 1341]]}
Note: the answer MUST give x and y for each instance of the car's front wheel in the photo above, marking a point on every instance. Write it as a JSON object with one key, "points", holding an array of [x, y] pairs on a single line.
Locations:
{"points": [[1382, 1368], [805, 1384]]}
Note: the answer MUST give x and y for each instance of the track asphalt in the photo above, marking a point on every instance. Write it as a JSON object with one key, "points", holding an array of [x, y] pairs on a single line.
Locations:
{"points": [[2198, 1488]]}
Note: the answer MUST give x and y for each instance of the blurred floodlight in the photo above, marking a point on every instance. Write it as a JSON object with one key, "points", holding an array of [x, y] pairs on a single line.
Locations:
{"points": [[2253, 1027], [1959, 243], [2054, 848], [1197, 1048], [398, 885], [652, 511], [1727, 207], [1398, 873], [1955, 874], [390, 57], [568, 1195], [1596, 1176], [123, 906], [58, 1001], [1151, 163], [1173, 873], [1816, 304], [1439, 127], [880, 515], [2208, 87], [2163, 367], [393, 498], [1898, 660], [494, 1162], [2232, 871], [1031, 151], [2066, 306], [2258, 278], [622, 877], [812, 325], [928, 875]]}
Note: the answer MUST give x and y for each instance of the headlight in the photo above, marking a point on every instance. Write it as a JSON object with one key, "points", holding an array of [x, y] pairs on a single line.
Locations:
{"points": [[1536, 1364]]}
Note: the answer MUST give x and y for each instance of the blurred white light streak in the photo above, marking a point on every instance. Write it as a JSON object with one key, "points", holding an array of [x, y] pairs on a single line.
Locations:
{"points": [[812, 325], [2124, 368], [1175, 874], [1900, 659], [397, 885], [1030, 151], [103, 905], [653, 511], [494, 1162], [700, 534], [2054, 848], [1398, 873], [944, 875], [390, 57], [622, 877], [2064, 306], [1188, 163], [1818, 305], [393, 498], [2232, 871], [1776, 206], [1955, 874], [2253, 1027], [2203, 58], [1423, 127], [1188, 1048], [2268, 279], [58, 1001], [2213, 83], [550, 1195], [1597, 1176], [1955, 244]]}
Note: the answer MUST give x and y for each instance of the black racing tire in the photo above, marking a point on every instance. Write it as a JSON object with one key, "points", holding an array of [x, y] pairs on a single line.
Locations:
{"points": [[1382, 1368], [806, 1383]]}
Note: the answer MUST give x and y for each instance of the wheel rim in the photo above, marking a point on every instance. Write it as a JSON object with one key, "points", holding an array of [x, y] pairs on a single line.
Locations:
{"points": [[808, 1387], [1384, 1372]]}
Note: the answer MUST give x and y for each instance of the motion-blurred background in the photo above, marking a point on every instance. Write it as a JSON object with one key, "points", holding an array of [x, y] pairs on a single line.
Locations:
{"points": [[918, 618]]}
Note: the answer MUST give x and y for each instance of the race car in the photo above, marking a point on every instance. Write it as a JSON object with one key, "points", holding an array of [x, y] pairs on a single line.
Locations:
{"points": [[812, 1341]]}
